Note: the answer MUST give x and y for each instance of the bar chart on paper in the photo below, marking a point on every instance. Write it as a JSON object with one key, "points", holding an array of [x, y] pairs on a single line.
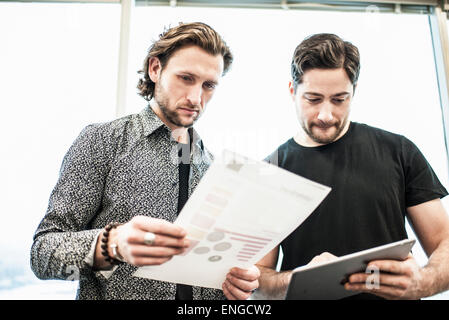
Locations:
{"points": [[240, 211]]}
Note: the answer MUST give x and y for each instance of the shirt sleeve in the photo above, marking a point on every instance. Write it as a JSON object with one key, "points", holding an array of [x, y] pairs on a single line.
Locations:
{"points": [[89, 259], [63, 238], [421, 182]]}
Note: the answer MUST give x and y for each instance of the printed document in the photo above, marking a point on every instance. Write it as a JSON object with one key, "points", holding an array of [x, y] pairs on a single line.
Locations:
{"points": [[240, 211]]}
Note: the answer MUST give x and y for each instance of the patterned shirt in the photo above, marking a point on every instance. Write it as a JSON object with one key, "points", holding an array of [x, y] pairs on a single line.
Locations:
{"points": [[113, 172]]}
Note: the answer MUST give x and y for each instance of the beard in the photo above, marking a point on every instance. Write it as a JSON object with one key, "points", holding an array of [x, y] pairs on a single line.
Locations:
{"points": [[324, 138], [172, 114]]}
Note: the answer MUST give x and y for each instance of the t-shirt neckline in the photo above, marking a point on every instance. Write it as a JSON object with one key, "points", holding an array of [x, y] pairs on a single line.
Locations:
{"points": [[325, 146]]}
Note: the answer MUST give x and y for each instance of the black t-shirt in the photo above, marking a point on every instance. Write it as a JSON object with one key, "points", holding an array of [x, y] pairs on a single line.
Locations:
{"points": [[374, 175]]}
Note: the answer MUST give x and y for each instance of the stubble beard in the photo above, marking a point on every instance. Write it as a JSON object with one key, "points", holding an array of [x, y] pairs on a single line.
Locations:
{"points": [[321, 139], [172, 116]]}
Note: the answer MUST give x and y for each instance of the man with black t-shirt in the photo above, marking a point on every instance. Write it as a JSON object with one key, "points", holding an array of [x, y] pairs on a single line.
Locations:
{"points": [[123, 183], [377, 178]]}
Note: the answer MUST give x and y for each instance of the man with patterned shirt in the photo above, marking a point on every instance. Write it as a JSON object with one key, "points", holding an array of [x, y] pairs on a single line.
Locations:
{"points": [[126, 172]]}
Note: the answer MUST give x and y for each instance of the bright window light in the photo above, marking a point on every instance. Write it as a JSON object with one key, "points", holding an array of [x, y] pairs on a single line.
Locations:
{"points": [[59, 63], [58, 67], [252, 113]]}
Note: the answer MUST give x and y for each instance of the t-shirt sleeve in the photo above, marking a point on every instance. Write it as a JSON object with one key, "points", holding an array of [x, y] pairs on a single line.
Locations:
{"points": [[273, 158], [421, 182]]}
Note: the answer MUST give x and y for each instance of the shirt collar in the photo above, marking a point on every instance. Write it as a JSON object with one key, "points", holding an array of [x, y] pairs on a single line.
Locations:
{"points": [[151, 122]]}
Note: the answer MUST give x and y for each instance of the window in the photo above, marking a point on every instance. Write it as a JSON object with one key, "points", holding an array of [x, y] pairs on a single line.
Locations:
{"points": [[252, 113], [59, 71]]}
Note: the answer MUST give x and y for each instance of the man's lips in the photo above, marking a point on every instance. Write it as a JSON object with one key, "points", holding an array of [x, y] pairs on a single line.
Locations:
{"points": [[324, 127], [189, 111]]}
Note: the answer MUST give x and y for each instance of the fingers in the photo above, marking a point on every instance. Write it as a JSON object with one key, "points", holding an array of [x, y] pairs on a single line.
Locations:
{"points": [[234, 293], [227, 292], [141, 255], [394, 266], [390, 266], [148, 261], [324, 257], [384, 291], [158, 226], [169, 241], [159, 240], [250, 274], [401, 282], [151, 251], [240, 283], [166, 233], [391, 280]]}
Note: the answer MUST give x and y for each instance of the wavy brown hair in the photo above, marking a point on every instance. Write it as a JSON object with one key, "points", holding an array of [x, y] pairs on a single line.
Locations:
{"points": [[172, 39], [325, 51]]}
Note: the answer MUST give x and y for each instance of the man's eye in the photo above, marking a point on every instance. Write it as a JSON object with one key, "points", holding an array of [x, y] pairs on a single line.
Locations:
{"points": [[210, 86], [186, 78], [313, 100], [338, 101]]}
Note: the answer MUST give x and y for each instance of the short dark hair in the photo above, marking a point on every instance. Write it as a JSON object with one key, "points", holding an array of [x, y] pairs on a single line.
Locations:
{"points": [[172, 39], [325, 51]]}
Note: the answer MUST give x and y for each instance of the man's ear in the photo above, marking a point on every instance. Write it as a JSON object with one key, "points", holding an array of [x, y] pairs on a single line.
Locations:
{"points": [[154, 68], [291, 89]]}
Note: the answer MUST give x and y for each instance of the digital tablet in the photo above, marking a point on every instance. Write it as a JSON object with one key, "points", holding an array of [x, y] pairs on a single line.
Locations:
{"points": [[324, 281]]}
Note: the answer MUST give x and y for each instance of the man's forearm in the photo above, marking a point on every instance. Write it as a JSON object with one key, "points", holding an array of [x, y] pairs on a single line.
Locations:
{"points": [[436, 272], [56, 255], [272, 284], [99, 261]]}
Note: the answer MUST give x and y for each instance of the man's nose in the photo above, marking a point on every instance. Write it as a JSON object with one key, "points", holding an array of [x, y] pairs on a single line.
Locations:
{"points": [[325, 113], [194, 95]]}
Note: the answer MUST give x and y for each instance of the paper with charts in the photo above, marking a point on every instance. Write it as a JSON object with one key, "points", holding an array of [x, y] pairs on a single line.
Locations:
{"points": [[240, 211]]}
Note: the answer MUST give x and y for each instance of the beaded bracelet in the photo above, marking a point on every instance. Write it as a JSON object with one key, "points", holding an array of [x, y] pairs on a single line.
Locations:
{"points": [[104, 244]]}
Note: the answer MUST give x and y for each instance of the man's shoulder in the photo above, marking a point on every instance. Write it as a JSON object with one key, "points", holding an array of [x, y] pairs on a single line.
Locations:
{"points": [[131, 124], [394, 142], [363, 129], [280, 151]]}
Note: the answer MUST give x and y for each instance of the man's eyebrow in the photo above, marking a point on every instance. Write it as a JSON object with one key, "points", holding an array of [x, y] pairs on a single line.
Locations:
{"points": [[344, 93], [214, 82], [313, 94], [187, 73], [320, 95]]}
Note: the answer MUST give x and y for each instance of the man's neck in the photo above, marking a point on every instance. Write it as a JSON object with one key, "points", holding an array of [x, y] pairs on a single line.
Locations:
{"points": [[180, 135]]}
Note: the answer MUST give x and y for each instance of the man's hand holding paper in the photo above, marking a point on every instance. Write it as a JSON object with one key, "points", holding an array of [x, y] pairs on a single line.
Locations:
{"points": [[239, 211], [240, 283], [168, 240]]}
